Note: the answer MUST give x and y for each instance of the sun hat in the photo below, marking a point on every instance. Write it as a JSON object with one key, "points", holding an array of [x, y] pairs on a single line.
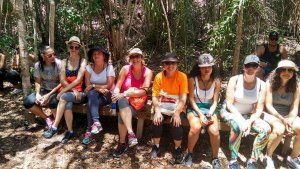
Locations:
{"points": [[251, 59], [73, 39], [287, 63], [92, 48], [205, 60], [274, 34], [135, 51], [170, 57]]}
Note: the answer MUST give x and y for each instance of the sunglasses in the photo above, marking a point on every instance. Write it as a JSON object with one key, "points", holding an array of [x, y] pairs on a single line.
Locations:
{"points": [[170, 63], [134, 56], [74, 47], [290, 70], [273, 39], [251, 65]]}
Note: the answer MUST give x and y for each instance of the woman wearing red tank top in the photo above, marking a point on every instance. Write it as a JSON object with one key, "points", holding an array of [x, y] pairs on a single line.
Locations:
{"points": [[71, 76], [134, 81]]}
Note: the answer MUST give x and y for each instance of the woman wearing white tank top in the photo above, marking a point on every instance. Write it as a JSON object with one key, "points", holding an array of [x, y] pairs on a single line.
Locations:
{"points": [[245, 96], [204, 89]]}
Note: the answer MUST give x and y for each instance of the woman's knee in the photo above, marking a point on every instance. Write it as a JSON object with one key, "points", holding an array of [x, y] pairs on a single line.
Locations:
{"points": [[92, 94], [53, 102], [29, 101], [278, 129], [214, 131], [195, 128]]}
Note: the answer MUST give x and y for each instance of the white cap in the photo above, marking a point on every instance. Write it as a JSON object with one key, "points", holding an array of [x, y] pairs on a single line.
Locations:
{"points": [[251, 59]]}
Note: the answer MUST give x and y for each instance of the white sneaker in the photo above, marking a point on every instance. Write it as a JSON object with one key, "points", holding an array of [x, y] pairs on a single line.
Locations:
{"points": [[268, 163], [293, 163]]}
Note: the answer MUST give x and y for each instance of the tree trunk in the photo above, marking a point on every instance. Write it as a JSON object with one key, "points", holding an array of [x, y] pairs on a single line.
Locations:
{"points": [[51, 23], [1, 16], [236, 56], [33, 15], [19, 11], [168, 26]]}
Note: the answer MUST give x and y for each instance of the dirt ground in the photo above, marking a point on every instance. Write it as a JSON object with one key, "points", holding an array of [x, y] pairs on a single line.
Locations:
{"points": [[22, 145]]}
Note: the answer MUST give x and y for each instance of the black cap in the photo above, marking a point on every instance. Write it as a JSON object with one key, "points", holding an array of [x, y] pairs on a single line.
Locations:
{"points": [[99, 48], [170, 57], [273, 34]]}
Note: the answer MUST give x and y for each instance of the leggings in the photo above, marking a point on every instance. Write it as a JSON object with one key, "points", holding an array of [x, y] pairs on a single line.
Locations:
{"points": [[259, 126], [176, 132], [95, 101]]}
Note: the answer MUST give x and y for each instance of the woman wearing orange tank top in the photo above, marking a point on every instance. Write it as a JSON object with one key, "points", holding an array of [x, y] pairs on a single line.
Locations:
{"points": [[71, 77]]}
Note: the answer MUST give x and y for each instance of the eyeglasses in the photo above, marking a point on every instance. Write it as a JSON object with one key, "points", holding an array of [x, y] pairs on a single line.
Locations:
{"points": [[170, 63], [290, 70], [273, 39], [134, 56], [251, 65], [74, 47]]}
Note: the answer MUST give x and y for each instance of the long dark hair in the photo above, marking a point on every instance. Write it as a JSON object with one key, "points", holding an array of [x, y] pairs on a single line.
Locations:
{"points": [[275, 81], [195, 72], [40, 56]]}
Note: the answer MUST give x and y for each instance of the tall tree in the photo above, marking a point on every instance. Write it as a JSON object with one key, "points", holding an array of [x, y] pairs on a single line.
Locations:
{"points": [[18, 8], [236, 56], [51, 23], [33, 15]]}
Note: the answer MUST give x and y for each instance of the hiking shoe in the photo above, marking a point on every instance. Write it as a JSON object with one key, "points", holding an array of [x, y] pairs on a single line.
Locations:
{"points": [[268, 163], [216, 164], [155, 151], [251, 164], [188, 160], [122, 147], [132, 140], [68, 136], [87, 139], [178, 156], [293, 163], [234, 165], [96, 128], [16, 91], [49, 133]]}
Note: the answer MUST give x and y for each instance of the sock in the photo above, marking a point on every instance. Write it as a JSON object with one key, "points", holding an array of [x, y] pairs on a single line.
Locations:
{"points": [[232, 161], [54, 128], [157, 145], [176, 148], [71, 131]]}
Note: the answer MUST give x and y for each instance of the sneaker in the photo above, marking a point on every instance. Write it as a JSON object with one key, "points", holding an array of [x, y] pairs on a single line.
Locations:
{"points": [[132, 140], [155, 151], [268, 163], [16, 91], [178, 156], [120, 150], [234, 165], [216, 164], [251, 164], [188, 160], [96, 128], [293, 163], [49, 133], [68, 136], [87, 139]]}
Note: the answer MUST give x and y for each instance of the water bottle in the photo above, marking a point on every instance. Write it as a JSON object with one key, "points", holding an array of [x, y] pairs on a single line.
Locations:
{"points": [[114, 108]]}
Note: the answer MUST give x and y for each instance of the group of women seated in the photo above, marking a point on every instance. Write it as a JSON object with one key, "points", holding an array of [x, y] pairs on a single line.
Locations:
{"points": [[269, 109]]}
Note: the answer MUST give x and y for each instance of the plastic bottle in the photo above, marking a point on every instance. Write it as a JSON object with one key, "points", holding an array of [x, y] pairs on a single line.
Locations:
{"points": [[114, 108]]}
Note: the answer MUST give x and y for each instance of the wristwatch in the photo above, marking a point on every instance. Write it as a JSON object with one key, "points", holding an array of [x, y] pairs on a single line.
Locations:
{"points": [[93, 85]]}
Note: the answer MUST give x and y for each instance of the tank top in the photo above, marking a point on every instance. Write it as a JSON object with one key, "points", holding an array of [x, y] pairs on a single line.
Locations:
{"points": [[205, 96], [244, 99], [71, 75], [282, 104], [130, 81], [271, 57]]}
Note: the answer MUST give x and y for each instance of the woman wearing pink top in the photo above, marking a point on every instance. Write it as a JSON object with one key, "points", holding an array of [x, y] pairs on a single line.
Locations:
{"points": [[134, 81]]}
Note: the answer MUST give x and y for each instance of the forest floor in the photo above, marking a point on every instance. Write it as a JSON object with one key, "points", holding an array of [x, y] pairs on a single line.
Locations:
{"points": [[23, 146]]}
